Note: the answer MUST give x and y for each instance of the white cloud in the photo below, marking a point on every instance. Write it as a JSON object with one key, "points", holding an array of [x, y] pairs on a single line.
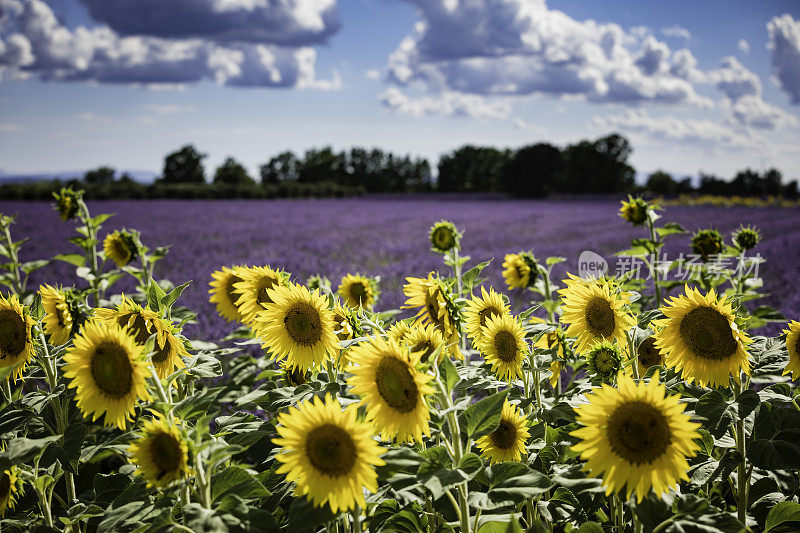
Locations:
{"points": [[169, 109], [373, 74], [784, 41], [735, 80], [523, 125], [744, 46], [677, 32], [753, 111], [448, 103]]}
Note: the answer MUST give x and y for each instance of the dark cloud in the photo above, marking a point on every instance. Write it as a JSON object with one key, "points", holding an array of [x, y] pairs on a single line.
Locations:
{"points": [[784, 40]]}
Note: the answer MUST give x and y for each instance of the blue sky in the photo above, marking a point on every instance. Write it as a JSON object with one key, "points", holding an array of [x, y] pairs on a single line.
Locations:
{"points": [[711, 85]]}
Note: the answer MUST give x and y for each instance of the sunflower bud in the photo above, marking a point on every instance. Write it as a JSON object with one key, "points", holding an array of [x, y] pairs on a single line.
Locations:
{"points": [[444, 236], [634, 210], [706, 243], [604, 361], [67, 202], [746, 238]]}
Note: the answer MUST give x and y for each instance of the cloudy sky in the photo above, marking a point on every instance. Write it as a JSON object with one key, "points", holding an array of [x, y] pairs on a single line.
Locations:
{"points": [[709, 85]]}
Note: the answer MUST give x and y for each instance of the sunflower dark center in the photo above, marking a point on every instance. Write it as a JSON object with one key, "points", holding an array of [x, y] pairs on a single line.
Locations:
{"points": [[600, 317], [166, 453], [162, 353], [111, 369], [303, 324], [137, 328], [648, 353], [331, 450], [522, 271], [443, 238], [265, 285], [487, 313], [5, 487], [505, 436], [424, 346], [606, 361], [121, 250], [13, 334], [358, 293], [638, 432], [708, 333], [432, 306], [230, 290], [506, 345], [396, 385]]}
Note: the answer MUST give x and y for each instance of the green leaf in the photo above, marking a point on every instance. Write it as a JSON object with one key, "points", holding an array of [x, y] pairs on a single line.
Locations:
{"points": [[717, 411], [155, 295], [506, 525], [483, 417], [550, 261], [21, 450], [775, 441], [747, 401], [173, 295], [30, 266], [99, 219], [782, 513], [590, 527], [470, 276], [305, 517], [449, 374], [237, 480], [670, 228]]}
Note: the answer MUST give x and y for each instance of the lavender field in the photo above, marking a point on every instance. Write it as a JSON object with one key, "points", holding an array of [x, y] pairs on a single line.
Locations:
{"points": [[388, 237]]}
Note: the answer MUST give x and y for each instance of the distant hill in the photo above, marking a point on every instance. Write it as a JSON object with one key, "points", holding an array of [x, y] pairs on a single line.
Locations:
{"points": [[142, 176]]}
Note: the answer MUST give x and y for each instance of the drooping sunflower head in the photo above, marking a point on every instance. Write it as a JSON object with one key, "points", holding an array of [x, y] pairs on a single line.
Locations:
{"points": [[604, 361], [392, 387], [435, 302], [16, 341], [793, 347], [120, 247], [746, 237], [707, 242], [503, 346], [67, 202], [254, 290], [634, 210], [138, 321], [294, 376], [345, 323], [297, 326], [11, 488], [424, 340], [479, 309], [223, 292], [328, 453], [62, 316], [507, 442], [699, 337], [594, 312], [444, 236], [552, 340], [635, 437], [520, 270], [108, 371], [648, 355], [160, 452], [169, 350], [358, 291]]}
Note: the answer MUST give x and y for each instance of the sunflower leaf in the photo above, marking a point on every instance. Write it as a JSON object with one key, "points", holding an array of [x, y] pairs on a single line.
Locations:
{"points": [[782, 513], [483, 417]]}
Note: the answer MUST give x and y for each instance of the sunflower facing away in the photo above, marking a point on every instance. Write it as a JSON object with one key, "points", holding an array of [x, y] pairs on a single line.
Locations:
{"points": [[169, 351], [297, 326], [108, 370], [503, 346], [11, 486], [328, 453], [479, 308], [385, 375], [120, 247], [594, 312], [254, 290], [58, 320], [604, 361], [635, 437], [507, 442], [223, 293], [634, 210], [793, 347], [700, 339], [517, 272], [16, 341], [160, 453], [357, 291]]}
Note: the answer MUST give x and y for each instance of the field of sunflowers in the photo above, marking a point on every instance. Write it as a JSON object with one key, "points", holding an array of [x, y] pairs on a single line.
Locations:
{"points": [[634, 402]]}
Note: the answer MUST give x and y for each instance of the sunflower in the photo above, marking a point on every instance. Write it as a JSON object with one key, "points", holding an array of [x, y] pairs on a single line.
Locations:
{"points": [[706, 243], [700, 338], [436, 306], [224, 294], [357, 291], [400, 330], [108, 370], [520, 270], [62, 318], [604, 361], [346, 327], [67, 203], [503, 345], [635, 437], [746, 238], [634, 210], [595, 312], [254, 290], [479, 308], [160, 453], [297, 326], [169, 350], [444, 236], [328, 453], [793, 347], [120, 247], [11, 487], [392, 388], [648, 355], [507, 442], [294, 376], [16, 341], [425, 340]]}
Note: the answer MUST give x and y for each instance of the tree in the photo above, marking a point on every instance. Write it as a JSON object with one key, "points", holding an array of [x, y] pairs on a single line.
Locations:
{"points": [[184, 166], [282, 167], [233, 173], [472, 169], [99, 175], [322, 165], [536, 171], [600, 166], [659, 182]]}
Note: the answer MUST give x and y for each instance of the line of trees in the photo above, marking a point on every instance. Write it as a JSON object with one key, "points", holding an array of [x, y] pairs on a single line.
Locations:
{"points": [[746, 182]]}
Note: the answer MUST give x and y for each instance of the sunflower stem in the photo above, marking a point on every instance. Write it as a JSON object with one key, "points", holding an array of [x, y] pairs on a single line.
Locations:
{"points": [[653, 264], [357, 519], [637, 524], [741, 474], [632, 355], [548, 295], [92, 249], [620, 513], [331, 372], [13, 258]]}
